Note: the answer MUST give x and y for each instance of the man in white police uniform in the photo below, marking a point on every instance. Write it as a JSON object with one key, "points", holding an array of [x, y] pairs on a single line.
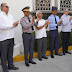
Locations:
{"points": [[7, 25], [66, 29]]}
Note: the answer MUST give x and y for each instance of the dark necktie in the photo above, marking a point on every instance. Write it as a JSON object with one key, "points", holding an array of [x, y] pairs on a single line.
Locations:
{"points": [[29, 22], [56, 22]]}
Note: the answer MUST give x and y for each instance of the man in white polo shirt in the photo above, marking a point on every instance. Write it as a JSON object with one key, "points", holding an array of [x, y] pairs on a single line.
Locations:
{"points": [[7, 25], [66, 29], [40, 35]]}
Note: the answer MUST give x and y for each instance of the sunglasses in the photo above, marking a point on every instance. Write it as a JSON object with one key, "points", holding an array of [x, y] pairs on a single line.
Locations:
{"points": [[6, 6]]}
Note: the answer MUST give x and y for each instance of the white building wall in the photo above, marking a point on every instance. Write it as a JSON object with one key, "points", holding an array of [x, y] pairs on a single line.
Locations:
{"points": [[15, 9]]}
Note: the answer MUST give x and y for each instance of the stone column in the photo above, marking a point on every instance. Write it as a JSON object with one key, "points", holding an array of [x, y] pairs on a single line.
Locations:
{"points": [[57, 4], [71, 5], [34, 5], [52, 3]]}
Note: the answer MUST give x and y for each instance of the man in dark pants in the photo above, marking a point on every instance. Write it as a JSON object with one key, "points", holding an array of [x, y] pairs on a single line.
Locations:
{"points": [[7, 24], [41, 36], [66, 29], [28, 35], [65, 42], [54, 35]]}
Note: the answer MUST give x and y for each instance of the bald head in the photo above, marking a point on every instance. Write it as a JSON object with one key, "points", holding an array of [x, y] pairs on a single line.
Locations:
{"points": [[4, 7], [66, 11]]}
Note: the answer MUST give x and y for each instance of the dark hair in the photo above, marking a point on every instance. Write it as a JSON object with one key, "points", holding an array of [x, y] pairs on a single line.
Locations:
{"points": [[2, 4]]}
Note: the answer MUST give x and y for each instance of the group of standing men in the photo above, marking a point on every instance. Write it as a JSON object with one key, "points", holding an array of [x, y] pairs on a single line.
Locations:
{"points": [[7, 25]]}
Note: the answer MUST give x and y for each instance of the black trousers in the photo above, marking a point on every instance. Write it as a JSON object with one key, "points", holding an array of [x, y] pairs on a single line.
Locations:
{"points": [[65, 41], [6, 48]]}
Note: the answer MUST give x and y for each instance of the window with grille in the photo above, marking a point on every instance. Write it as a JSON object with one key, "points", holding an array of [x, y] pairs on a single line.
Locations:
{"points": [[65, 4], [43, 4]]}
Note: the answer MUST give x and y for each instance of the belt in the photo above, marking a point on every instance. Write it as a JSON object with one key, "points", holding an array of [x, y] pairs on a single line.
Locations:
{"points": [[54, 30], [28, 33]]}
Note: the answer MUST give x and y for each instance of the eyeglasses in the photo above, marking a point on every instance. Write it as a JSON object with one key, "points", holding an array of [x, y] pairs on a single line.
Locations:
{"points": [[6, 6]]}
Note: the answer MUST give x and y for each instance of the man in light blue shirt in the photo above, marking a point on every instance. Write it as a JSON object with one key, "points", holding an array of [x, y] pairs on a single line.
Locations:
{"points": [[53, 33], [51, 19]]}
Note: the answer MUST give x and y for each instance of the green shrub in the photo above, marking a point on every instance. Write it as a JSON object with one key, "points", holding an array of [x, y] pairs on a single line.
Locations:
{"points": [[70, 42], [60, 41]]}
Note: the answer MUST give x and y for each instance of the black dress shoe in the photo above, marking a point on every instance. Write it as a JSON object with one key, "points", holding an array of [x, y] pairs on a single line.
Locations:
{"points": [[68, 52], [40, 59], [27, 64], [64, 54], [13, 68], [58, 54], [52, 56], [32, 62], [44, 57]]}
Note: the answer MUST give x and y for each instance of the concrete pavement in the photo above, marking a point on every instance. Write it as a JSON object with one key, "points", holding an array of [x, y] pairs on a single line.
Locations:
{"points": [[58, 64]]}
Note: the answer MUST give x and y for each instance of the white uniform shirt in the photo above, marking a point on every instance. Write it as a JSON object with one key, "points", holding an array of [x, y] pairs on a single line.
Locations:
{"points": [[66, 24], [6, 26], [42, 32]]}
